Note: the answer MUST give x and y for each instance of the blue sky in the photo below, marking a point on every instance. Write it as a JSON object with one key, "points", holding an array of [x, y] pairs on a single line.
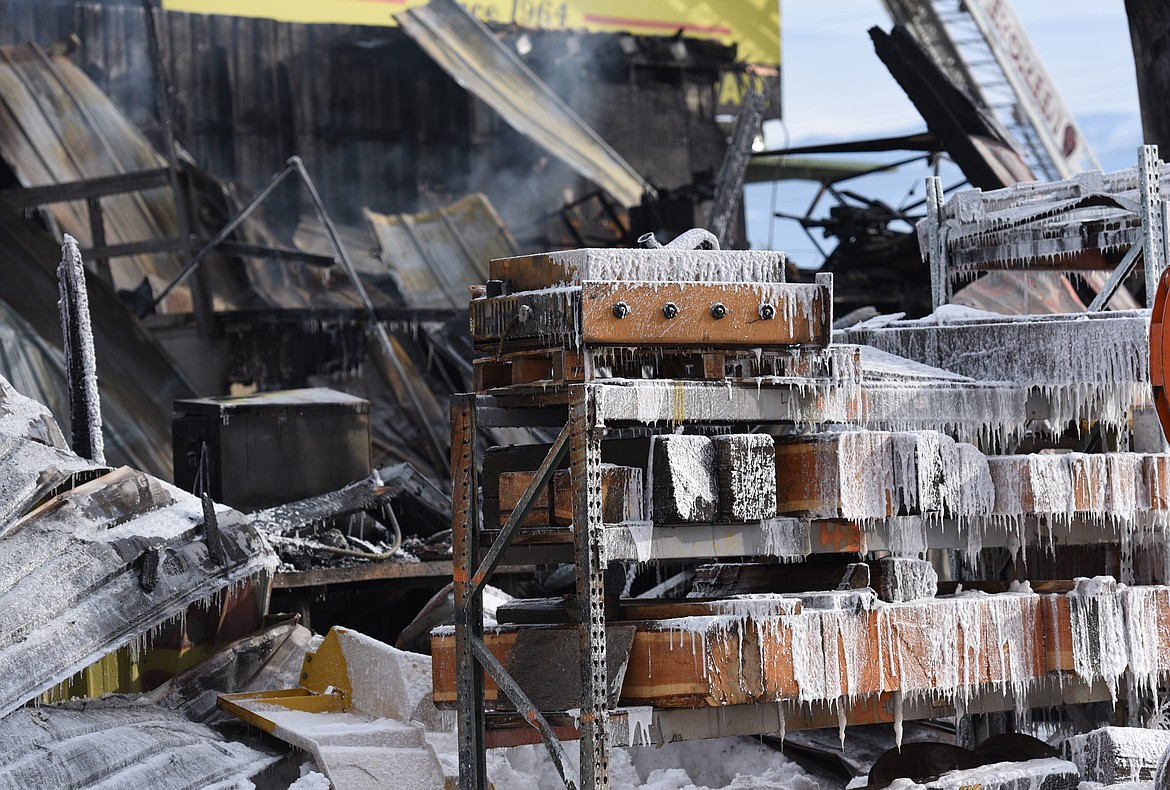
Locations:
{"points": [[835, 88]]}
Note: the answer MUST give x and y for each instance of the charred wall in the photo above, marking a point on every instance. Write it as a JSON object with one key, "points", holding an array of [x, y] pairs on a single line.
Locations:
{"points": [[376, 121]]}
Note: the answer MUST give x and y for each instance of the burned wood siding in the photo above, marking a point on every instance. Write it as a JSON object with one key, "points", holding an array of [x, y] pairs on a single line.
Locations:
{"points": [[377, 122]]}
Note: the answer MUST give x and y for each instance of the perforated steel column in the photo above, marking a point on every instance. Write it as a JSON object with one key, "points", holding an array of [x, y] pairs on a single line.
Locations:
{"points": [[589, 549], [468, 607]]}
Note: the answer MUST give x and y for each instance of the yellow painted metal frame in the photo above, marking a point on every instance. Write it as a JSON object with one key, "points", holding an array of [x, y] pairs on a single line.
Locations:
{"points": [[325, 688]]}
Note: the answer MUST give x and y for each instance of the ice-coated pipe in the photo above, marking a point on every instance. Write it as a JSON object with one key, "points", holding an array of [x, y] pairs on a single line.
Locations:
{"points": [[695, 239]]}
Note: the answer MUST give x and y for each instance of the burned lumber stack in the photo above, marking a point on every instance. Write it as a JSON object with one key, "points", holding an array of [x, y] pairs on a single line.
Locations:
{"points": [[583, 315], [871, 534]]}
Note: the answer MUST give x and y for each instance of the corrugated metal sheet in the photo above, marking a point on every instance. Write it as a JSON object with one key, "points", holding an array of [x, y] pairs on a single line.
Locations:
{"points": [[121, 743], [476, 59], [435, 255], [57, 126], [73, 573]]}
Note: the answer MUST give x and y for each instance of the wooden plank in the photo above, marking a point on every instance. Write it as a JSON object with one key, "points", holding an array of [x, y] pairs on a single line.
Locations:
{"points": [[489, 373], [512, 487], [745, 467], [1157, 481], [621, 495], [683, 484], [722, 579], [732, 660], [801, 313], [531, 272], [375, 571], [544, 661], [837, 475], [532, 611], [30, 197]]}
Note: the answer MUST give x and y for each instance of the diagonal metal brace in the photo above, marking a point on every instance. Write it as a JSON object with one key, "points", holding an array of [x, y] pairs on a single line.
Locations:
{"points": [[539, 482], [517, 697], [1116, 278]]}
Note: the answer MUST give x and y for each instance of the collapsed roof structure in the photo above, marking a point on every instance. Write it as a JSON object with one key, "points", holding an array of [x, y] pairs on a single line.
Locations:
{"points": [[717, 511]]}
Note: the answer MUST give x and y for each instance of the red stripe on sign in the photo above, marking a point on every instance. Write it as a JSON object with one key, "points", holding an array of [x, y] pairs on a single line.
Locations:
{"points": [[656, 24]]}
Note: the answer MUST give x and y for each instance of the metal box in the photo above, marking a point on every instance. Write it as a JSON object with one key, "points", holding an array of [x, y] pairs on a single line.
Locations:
{"points": [[256, 451]]}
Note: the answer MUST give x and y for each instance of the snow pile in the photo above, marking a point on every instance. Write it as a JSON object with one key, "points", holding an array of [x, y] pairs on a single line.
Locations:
{"points": [[719, 764], [311, 781]]}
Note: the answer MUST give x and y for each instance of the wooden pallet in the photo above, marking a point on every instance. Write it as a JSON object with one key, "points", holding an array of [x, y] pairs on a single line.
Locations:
{"points": [[558, 365], [592, 363]]}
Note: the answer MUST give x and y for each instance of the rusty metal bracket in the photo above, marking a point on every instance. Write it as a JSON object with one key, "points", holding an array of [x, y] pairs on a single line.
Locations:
{"points": [[523, 507], [524, 705], [1116, 279]]}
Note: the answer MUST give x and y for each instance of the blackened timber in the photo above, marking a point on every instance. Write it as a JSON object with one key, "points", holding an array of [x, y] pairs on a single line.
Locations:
{"points": [[31, 197], [249, 250]]}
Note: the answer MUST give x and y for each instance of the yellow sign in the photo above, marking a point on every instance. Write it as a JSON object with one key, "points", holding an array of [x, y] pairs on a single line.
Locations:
{"points": [[753, 25]]}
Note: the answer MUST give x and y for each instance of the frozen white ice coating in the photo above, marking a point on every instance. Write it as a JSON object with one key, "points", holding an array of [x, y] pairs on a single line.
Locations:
{"points": [[670, 265], [745, 467], [116, 743], [865, 475], [713, 764], [71, 279], [1086, 366], [32, 469], [1120, 490], [925, 646], [1024, 222], [1111, 755], [390, 683], [784, 538], [884, 365], [682, 479], [27, 419], [878, 474], [1027, 775], [918, 471], [70, 581], [906, 579]]}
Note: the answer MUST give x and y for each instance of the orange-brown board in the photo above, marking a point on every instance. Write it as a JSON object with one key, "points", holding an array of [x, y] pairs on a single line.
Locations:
{"points": [[800, 314], [942, 645], [825, 475]]}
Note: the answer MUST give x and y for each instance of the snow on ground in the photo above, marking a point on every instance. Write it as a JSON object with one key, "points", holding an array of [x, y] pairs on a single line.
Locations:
{"points": [[719, 764]]}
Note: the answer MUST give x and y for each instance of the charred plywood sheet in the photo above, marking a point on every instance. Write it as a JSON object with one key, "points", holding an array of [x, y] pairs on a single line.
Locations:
{"points": [[99, 566]]}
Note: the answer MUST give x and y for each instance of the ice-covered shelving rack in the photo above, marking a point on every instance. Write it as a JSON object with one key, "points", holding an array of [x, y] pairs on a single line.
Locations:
{"points": [[1081, 224], [981, 652], [602, 673]]}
